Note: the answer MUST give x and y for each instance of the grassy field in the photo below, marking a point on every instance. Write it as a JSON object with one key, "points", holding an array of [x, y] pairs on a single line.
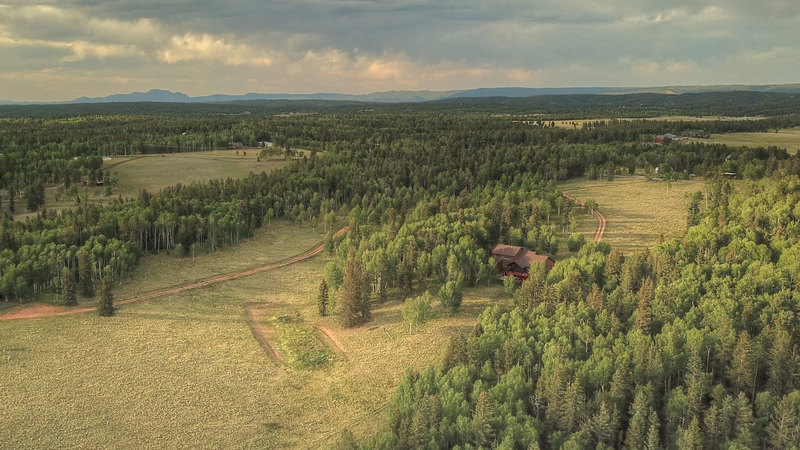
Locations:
{"points": [[638, 212], [155, 172], [185, 370], [578, 123], [788, 139]]}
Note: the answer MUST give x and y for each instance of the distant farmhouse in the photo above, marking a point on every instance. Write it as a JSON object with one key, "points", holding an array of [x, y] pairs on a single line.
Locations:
{"points": [[702, 134], [517, 261]]}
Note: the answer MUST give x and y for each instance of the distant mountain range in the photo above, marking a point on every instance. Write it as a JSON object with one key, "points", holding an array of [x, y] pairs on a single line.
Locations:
{"points": [[164, 96]]}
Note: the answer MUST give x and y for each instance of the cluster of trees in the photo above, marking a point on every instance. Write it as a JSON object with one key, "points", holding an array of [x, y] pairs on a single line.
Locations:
{"points": [[690, 344], [445, 239]]}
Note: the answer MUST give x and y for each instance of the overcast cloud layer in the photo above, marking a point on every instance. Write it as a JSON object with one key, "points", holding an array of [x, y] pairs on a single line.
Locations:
{"points": [[62, 49]]}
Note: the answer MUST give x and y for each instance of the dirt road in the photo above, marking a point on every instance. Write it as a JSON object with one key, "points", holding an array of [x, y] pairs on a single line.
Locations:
{"points": [[40, 310]]}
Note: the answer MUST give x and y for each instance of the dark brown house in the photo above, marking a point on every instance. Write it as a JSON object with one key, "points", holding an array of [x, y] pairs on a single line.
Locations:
{"points": [[517, 261]]}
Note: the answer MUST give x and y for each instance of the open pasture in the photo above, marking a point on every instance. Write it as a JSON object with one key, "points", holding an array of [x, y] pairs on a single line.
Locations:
{"points": [[578, 123], [185, 370], [638, 212], [154, 172], [788, 139]]}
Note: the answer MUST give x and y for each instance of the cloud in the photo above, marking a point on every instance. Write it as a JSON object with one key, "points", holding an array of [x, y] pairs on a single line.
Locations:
{"points": [[363, 45], [208, 48]]}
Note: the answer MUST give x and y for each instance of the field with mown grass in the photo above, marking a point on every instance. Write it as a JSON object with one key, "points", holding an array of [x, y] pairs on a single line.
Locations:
{"points": [[185, 370], [638, 212]]}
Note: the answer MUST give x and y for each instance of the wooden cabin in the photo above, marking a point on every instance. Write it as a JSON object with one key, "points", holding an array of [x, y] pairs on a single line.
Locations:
{"points": [[517, 261]]}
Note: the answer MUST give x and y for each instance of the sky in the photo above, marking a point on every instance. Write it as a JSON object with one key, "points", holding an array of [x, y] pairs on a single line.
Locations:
{"points": [[55, 50]]}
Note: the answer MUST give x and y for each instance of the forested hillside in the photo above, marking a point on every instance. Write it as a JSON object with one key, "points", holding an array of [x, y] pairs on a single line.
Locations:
{"points": [[690, 344]]}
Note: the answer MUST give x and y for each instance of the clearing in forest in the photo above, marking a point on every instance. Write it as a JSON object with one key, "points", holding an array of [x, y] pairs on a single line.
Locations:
{"points": [[185, 370], [154, 172], [638, 212]]}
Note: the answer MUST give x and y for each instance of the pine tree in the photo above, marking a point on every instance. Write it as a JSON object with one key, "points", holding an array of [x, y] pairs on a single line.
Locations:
{"points": [[697, 383], [322, 299], [744, 422], [644, 317], [784, 428], [451, 294], [456, 353], [354, 292], [692, 437], [653, 433], [601, 427], [85, 273], [106, 306], [636, 436], [483, 421], [742, 370], [781, 363], [572, 406], [68, 287], [382, 277]]}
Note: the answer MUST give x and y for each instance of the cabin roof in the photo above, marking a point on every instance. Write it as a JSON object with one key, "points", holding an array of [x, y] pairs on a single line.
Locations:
{"points": [[522, 257]]}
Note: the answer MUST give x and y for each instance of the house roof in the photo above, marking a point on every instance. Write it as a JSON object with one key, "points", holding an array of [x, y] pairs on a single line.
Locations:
{"points": [[518, 255], [509, 251]]}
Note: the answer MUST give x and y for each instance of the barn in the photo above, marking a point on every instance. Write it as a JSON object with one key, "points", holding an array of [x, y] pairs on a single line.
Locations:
{"points": [[517, 261]]}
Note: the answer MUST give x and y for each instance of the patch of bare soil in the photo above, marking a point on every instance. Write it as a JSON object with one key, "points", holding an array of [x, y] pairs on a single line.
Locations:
{"points": [[265, 336], [333, 341]]}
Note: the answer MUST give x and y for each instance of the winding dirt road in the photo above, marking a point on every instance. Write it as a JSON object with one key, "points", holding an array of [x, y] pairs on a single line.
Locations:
{"points": [[601, 219], [36, 311]]}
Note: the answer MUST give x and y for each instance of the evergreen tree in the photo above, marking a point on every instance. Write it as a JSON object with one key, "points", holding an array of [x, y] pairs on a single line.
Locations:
{"points": [[744, 422], [601, 427], [354, 292], [456, 353], [451, 294], [636, 436], [106, 306], [784, 427], [654, 431], [691, 438], [483, 419], [742, 370], [85, 273], [322, 298], [68, 287], [644, 318]]}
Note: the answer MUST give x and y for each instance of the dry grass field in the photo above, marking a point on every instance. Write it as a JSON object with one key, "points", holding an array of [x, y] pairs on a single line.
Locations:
{"points": [[638, 212], [578, 123], [185, 370], [157, 171], [788, 139]]}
